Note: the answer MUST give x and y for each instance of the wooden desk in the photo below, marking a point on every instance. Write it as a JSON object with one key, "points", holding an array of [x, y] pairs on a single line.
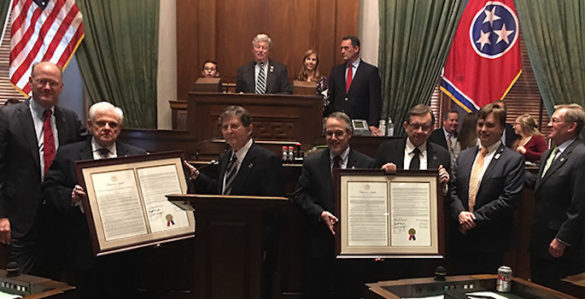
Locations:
{"points": [[423, 287]]}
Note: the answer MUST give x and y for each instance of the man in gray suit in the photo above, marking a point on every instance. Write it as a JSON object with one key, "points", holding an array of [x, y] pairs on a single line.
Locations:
{"points": [[558, 225], [485, 189], [263, 75], [30, 133], [315, 197]]}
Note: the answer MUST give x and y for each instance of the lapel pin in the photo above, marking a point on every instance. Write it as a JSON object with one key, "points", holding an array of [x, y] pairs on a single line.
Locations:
{"points": [[271, 68], [497, 156], [563, 159], [250, 165]]}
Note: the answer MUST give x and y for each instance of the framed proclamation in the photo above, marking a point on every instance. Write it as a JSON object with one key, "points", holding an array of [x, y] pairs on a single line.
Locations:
{"points": [[126, 205], [388, 215]]}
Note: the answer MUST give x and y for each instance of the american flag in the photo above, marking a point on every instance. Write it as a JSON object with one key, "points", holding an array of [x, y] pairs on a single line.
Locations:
{"points": [[42, 30]]}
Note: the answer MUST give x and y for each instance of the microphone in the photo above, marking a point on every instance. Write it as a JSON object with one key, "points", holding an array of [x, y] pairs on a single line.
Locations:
{"points": [[12, 269], [440, 273], [212, 162]]}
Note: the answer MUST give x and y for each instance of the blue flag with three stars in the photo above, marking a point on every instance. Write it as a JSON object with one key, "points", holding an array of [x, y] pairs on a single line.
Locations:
{"points": [[484, 60]]}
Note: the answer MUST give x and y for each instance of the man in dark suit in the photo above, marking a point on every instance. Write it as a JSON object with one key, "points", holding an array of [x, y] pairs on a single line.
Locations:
{"points": [[415, 151], [30, 132], [315, 196], [262, 75], [485, 190], [355, 87], [447, 135], [558, 225], [67, 242], [246, 169]]}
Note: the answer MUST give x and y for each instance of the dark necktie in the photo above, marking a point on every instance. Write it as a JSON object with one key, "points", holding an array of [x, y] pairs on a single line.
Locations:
{"points": [[336, 165], [48, 141], [230, 175], [415, 162], [261, 82], [104, 152], [348, 78]]}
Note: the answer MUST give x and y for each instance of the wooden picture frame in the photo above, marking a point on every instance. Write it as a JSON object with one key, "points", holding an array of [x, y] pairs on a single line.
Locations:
{"points": [[126, 206], [388, 215]]}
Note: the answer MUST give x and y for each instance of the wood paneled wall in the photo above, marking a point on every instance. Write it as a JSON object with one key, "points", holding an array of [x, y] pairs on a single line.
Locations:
{"points": [[223, 30]]}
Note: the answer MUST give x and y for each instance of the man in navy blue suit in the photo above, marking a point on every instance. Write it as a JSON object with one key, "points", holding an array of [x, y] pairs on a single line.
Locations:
{"points": [[355, 86], [486, 188]]}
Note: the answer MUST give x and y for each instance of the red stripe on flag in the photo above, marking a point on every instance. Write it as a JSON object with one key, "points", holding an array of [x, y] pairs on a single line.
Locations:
{"points": [[32, 54], [15, 51], [22, 16], [57, 39], [71, 46]]}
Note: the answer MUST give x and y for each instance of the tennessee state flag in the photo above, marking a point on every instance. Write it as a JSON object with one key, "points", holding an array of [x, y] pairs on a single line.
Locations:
{"points": [[484, 60]]}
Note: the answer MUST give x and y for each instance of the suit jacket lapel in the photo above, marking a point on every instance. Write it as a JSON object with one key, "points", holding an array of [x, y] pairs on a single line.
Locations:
{"points": [[325, 164], [245, 169], [28, 131], [269, 75], [560, 160], [493, 162], [432, 160]]}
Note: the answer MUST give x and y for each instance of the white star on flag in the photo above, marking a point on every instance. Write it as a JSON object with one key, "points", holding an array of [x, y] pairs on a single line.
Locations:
{"points": [[490, 16], [484, 39], [503, 34]]}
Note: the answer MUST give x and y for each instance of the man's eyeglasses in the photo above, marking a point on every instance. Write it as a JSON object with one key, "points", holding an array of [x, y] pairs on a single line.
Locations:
{"points": [[424, 127], [44, 82], [339, 133]]}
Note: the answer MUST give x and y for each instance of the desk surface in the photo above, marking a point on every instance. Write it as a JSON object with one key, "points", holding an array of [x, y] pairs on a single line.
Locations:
{"points": [[423, 287]]}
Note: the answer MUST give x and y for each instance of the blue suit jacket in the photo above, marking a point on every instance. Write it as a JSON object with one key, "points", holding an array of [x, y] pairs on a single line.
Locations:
{"points": [[498, 196]]}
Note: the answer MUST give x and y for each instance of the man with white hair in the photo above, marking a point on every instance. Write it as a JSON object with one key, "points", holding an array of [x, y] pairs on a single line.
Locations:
{"points": [[69, 245], [262, 75]]}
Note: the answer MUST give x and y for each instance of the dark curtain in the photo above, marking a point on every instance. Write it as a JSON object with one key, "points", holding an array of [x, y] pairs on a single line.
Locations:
{"points": [[414, 41], [4, 5], [554, 32], [118, 57]]}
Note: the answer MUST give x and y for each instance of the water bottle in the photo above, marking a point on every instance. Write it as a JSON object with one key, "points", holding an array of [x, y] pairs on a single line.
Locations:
{"points": [[389, 127], [382, 127]]}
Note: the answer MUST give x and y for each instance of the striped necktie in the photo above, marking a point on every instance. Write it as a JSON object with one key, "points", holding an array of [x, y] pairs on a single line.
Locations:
{"points": [[261, 82], [230, 175]]}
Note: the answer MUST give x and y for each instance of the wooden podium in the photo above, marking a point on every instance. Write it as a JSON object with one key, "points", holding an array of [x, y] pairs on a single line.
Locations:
{"points": [[228, 243], [276, 117]]}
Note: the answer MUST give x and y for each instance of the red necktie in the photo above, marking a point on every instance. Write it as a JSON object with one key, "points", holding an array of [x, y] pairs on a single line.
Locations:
{"points": [[348, 78], [48, 141]]}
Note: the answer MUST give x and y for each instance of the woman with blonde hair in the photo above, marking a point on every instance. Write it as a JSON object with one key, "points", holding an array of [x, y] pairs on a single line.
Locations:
{"points": [[530, 142], [310, 72]]}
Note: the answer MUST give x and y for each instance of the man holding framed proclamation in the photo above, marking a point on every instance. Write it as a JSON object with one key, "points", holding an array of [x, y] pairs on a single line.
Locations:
{"points": [[66, 230], [314, 195]]}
